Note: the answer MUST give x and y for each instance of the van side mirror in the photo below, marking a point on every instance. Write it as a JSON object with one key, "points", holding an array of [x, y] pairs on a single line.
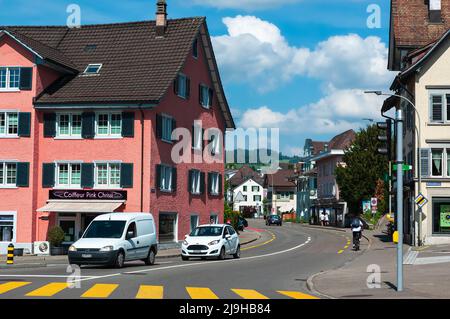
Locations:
{"points": [[129, 235]]}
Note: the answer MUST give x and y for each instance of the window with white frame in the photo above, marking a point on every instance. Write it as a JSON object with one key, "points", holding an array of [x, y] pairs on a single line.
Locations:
{"points": [[437, 156], [255, 188], [214, 187], [108, 124], [8, 174], [205, 96], [197, 139], [9, 124], [7, 221], [166, 178], [195, 180], [440, 107], [68, 175], [68, 125], [9, 78], [167, 128], [256, 198], [93, 69], [107, 175]]}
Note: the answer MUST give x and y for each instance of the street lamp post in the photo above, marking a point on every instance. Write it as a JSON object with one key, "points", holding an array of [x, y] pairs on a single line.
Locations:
{"points": [[399, 123]]}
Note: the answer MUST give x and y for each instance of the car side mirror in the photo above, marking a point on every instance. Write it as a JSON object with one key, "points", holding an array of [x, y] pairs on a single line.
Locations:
{"points": [[228, 236], [130, 235]]}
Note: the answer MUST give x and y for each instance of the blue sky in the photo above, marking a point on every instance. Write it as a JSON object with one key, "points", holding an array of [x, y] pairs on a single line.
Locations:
{"points": [[299, 65]]}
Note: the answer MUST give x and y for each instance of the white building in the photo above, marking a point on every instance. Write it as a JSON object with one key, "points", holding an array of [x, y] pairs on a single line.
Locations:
{"points": [[248, 195]]}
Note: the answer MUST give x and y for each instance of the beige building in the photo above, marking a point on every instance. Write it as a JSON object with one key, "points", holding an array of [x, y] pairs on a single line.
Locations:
{"points": [[281, 191], [425, 81]]}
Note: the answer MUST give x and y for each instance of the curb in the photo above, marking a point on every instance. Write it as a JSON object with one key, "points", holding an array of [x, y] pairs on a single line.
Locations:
{"points": [[323, 228]]}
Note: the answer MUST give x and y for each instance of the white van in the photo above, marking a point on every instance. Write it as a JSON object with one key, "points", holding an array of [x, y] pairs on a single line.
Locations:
{"points": [[112, 239]]}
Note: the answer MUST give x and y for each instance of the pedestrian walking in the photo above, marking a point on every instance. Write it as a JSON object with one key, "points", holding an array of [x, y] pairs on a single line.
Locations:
{"points": [[322, 218], [327, 218]]}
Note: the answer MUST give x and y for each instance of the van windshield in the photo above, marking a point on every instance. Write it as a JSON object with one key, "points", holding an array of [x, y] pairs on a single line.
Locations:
{"points": [[105, 229]]}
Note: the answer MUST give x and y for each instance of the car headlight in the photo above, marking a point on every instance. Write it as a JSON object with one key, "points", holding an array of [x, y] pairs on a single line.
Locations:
{"points": [[107, 248], [72, 248], [214, 242], [185, 243]]}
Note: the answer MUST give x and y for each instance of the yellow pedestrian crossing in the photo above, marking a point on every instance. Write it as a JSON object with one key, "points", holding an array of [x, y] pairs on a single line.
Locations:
{"points": [[100, 291], [4, 288], [48, 290], [150, 292], [296, 295], [201, 293], [249, 294], [143, 291]]}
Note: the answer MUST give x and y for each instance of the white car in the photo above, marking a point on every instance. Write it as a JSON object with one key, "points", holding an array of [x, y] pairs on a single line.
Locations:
{"points": [[112, 239], [211, 241]]}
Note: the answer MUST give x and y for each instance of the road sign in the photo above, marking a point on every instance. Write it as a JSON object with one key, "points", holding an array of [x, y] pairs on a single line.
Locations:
{"points": [[404, 167], [421, 200]]}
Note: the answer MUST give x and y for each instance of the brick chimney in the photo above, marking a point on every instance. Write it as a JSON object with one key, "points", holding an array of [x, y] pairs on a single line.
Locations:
{"points": [[161, 18]]}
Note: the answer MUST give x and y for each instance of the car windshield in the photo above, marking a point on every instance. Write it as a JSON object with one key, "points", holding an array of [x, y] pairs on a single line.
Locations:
{"points": [[212, 231], [105, 229], [275, 217]]}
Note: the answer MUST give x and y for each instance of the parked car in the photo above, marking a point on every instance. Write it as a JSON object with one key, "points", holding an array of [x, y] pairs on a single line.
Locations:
{"points": [[113, 239], [242, 223], [216, 240], [274, 220]]}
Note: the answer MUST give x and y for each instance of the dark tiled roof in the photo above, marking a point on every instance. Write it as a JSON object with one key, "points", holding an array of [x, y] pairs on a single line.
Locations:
{"points": [[137, 66], [410, 22], [318, 147], [243, 174], [281, 178], [342, 141]]}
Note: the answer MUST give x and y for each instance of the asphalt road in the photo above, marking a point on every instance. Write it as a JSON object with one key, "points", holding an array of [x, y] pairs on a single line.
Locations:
{"points": [[276, 266]]}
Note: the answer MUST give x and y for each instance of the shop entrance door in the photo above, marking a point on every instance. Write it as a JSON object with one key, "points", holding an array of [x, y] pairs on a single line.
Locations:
{"points": [[167, 227], [68, 226]]}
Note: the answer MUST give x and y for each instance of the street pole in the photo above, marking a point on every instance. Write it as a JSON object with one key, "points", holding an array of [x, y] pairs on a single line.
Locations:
{"points": [[399, 213], [390, 185]]}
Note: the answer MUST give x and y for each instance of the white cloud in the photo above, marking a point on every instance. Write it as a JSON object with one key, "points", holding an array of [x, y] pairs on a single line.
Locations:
{"points": [[255, 51], [244, 4], [337, 111]]}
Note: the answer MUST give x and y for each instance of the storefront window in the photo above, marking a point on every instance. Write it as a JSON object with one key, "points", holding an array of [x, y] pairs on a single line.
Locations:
{"points": [[167, 227], [436, 163], [6, 228], [441, 216]]}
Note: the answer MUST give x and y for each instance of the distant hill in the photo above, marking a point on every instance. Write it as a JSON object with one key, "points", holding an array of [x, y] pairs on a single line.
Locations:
{"points": [[250, 156]]}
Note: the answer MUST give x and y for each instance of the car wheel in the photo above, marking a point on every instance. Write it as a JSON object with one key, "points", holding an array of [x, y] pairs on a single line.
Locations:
{"points": [[184, 258], [222, 254], [237, 254], [120, 260], [150, 260]]}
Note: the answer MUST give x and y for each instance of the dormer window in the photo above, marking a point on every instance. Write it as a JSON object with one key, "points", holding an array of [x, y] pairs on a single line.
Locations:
{"points": [[435, 11], [195, 49], [93, 69]]}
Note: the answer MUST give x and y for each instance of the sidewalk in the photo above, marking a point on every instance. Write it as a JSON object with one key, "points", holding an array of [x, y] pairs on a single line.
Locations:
{"points": [[246, 237], [420, 280]]}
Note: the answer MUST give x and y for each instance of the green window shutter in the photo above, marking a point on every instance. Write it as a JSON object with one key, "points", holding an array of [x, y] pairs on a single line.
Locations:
{"points": [[202, 183], [158, 177], [220, 184], [26, 79], [209, 183], [174, 126], [87, 175], [24, 124], [49, 125], [128, 124], [126, 175], [174, 179], [158, 126], [188, 88], [88, 125], [425, 154], [211, 96], [190, 178], [23, 175], [48, 175]]}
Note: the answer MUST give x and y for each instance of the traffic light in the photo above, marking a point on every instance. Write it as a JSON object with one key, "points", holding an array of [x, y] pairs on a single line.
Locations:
{"points": [[385, 138]]}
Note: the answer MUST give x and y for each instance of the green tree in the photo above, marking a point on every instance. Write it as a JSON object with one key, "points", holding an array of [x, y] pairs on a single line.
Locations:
{"points": [[363, 169]]}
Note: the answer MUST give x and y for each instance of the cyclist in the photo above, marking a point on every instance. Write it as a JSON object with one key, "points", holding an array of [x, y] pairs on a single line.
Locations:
{"points": [[357, 227]]}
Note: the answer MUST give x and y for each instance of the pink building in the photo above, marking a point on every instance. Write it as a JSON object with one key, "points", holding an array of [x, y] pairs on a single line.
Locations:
{"points": [[86, 122], [328, 197]]}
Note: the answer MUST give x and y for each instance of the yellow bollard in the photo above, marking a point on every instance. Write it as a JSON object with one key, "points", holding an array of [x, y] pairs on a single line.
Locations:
{"points": [[395, 237], [10, 256]]}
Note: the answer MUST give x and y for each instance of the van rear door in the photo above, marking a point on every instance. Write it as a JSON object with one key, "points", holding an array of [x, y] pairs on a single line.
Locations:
{"points": [[146, 230]]}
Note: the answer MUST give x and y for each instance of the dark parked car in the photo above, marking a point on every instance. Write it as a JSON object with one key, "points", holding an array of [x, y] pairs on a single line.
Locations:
{"points": [[242, 223], [273, 220]]}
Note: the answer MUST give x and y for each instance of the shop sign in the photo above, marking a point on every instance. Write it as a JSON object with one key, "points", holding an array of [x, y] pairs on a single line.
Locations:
{"points": [[445, 216], [88, 195]]}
